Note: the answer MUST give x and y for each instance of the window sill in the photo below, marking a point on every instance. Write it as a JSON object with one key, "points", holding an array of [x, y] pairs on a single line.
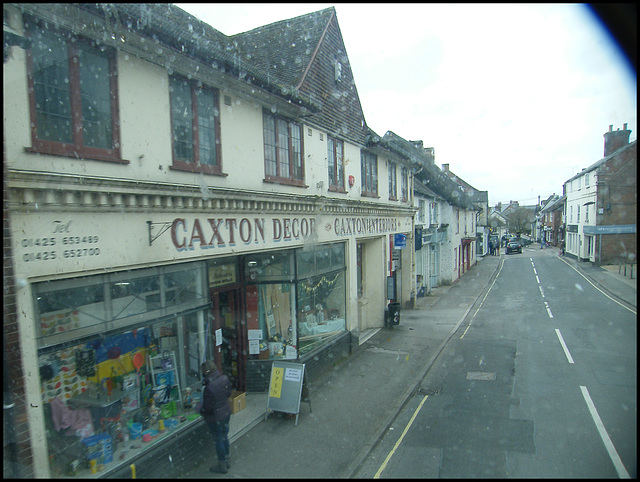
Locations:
{"points": [[67, 150], [369, 194], [285, 181], [184, 167], [337, 189]]}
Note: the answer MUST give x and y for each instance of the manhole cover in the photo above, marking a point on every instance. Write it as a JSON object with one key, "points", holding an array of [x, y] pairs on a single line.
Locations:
{"points": [[481, 376]]}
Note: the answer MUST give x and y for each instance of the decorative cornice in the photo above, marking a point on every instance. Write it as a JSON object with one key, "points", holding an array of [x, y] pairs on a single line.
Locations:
{"points": [[54, 192]]}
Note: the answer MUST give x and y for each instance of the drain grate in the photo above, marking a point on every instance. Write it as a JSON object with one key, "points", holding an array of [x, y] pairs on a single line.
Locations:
{"points": [[429, 391]]}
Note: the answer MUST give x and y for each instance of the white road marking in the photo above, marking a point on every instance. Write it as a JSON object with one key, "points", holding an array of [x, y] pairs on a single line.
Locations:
{"points": [[485, 297], [548, 309], [541, 292], [613, 454], [564, 346]]}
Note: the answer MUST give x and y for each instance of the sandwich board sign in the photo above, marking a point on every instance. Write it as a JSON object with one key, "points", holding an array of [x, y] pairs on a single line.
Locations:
{"points": [[285, 388]]}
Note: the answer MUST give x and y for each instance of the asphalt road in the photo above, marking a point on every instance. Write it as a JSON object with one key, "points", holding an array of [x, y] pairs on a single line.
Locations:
{"points": [[538, 381]]}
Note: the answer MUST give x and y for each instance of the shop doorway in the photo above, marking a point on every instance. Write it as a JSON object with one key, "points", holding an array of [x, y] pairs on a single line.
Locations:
{"points": [[228, 316]]}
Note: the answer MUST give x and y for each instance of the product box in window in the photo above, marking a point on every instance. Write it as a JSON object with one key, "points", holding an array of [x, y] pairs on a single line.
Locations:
{"points": [[98, 447], [238, 401], [164, 379]]}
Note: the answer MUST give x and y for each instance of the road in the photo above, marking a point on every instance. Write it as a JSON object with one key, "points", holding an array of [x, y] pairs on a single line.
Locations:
{"points": [[538, 381]]}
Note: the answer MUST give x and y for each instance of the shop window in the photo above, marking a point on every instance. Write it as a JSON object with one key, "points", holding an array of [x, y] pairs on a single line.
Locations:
{"points": [[93, 331], [275, 266], [289, 312], [92, 391], [321, 297], [305, 263], [73, 95], [63, 310], [323, 258], [321, 309], [71, 309]]}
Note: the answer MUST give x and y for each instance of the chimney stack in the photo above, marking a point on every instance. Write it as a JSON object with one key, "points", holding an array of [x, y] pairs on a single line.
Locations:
{"points": [[445, 167], [614, 140]]}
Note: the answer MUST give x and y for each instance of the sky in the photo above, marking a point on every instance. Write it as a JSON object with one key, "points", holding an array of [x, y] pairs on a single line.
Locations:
{"points": [[515, 98]]}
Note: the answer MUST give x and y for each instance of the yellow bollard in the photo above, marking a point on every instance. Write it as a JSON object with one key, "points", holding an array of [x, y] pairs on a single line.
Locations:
{"points": [[133, 471]]}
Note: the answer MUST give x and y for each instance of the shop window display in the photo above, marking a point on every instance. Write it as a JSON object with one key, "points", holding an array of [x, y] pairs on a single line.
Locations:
{"points": [[321, 302], [321, 295], [111, 394], [295, 300]]}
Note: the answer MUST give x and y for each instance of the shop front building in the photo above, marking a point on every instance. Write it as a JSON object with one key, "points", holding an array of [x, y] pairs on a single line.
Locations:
{"points": [[113, 333], [165, 210]]}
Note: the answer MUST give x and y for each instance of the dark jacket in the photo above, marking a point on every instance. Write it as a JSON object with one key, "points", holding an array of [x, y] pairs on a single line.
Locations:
{"points": [[215, 397]]}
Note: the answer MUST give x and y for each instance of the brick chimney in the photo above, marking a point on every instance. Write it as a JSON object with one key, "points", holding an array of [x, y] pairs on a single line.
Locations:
{"points": [[445, 167], [614, 140]]}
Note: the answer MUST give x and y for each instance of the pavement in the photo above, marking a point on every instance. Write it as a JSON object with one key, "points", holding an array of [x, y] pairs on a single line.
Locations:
{"points": [[356, 402]]}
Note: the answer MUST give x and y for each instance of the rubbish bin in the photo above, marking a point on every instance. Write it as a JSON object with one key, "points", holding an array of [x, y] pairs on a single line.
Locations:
{"points": [[393, 313]]}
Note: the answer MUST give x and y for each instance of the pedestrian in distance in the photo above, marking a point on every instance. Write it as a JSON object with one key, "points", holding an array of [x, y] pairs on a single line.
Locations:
{"points": [[498, 248], [216, 412]]}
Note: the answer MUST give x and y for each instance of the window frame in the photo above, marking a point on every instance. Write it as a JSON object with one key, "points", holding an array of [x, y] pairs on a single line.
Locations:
{"points": [[369, 177], [404, 184], [393, 181], [179, 164], [76, 148], [334, 168], [290, 180]]}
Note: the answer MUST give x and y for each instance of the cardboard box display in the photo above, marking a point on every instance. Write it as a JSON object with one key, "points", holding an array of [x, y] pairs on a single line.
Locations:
{"points": [[238, 401]]}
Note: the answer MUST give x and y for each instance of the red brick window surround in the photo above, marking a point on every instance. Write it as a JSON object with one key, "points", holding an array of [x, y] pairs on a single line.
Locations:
{"points": [[195, 126], [283, 147], [72, 95]]}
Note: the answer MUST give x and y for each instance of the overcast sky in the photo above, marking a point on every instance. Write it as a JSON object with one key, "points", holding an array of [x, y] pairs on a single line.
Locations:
{"points": [[515, 98]]}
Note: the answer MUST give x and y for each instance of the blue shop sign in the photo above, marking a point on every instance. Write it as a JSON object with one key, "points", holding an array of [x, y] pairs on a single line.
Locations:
{"points": [[399, 240]]}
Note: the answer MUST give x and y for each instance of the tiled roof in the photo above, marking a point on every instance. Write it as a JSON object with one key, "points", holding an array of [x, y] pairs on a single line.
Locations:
{"points": [[284, 49], [431, 175], [420, 188], [597, 164], [169, 25]]}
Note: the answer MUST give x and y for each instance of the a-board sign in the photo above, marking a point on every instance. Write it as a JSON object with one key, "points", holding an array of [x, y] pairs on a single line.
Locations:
{"points": [[285, 387]]}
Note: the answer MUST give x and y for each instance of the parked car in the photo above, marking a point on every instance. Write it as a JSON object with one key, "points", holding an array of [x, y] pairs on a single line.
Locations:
{"points": [[514, 246]]}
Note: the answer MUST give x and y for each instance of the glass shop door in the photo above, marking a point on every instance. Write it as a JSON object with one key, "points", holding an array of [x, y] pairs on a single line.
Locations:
{"points": [[227, 316]]}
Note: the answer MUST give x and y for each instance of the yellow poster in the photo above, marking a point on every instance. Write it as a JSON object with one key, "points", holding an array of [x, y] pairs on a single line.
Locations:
{"points": [[276, 382]]}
